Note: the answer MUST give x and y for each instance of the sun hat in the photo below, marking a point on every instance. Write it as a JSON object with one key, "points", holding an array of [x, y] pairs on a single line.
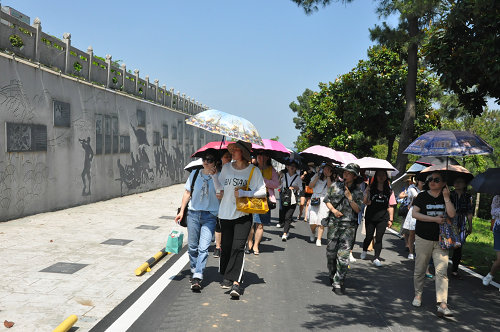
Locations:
{"points": [[352, 167], [243, 146]]}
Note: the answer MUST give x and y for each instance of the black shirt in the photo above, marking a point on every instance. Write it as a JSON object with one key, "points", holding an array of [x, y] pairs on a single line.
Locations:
{"points": [[431, 206], [377, 211]]}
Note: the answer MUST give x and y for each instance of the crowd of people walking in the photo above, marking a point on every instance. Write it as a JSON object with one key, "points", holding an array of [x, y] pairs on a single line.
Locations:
{"points": [[337, 198]]}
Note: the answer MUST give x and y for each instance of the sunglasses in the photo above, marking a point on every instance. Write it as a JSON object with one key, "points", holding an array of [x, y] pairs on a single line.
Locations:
{"points": [[208, 160], [435, 180]]}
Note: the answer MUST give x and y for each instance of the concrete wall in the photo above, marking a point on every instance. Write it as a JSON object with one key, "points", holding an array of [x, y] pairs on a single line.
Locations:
{"points": [[69, 171]]}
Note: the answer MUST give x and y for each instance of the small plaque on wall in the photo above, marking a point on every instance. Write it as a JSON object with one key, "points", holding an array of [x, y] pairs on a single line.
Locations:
{"points": [[62, 114], [26, 137]]}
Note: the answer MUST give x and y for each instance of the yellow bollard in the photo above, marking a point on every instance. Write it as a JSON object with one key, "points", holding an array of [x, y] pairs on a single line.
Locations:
{"points": [[66, 324], [146, 266]]}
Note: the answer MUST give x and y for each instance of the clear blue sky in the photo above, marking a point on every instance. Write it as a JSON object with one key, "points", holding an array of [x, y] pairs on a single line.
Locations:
{"points": [[246, 57]]}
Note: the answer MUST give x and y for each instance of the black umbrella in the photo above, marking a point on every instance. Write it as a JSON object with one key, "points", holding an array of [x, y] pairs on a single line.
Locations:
{"points": [[487, 182]]}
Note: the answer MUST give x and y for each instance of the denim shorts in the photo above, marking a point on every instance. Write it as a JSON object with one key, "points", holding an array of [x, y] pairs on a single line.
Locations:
{"points": [[496, 239], [264, 219]]}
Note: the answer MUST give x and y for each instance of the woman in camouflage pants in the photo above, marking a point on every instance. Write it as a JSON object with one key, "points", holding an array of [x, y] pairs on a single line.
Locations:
{"points": [[344, 200]]}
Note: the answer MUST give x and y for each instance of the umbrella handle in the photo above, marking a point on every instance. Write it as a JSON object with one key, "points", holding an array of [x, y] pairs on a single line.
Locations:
{"points": [[222, 141]]}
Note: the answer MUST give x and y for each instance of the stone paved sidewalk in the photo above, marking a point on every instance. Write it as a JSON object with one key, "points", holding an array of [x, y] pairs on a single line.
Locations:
{"points": [[40, 301]]}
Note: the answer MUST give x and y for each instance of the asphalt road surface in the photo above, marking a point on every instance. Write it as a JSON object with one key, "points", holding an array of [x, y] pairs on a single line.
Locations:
{"points": [[286, 289]]}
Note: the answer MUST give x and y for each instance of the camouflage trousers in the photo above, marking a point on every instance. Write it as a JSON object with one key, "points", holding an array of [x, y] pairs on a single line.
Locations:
{"points": [[340, 237]]}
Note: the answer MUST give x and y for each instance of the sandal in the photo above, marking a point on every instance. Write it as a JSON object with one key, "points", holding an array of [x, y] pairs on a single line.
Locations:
{"points": [[255, 252]]}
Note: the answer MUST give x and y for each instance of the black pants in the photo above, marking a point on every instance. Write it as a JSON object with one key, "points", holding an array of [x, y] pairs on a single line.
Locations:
{"points": [[354, 238], [456, 258], [370, 230], [287, 217], [234, 237]]}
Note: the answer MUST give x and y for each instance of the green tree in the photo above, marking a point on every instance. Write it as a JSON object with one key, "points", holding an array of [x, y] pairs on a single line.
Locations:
{"points": [[363, 106], [415, 15], [464, 48]]}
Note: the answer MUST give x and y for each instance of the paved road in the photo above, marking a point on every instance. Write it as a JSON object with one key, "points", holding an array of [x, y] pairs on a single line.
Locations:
{"points": [[286, 290]]}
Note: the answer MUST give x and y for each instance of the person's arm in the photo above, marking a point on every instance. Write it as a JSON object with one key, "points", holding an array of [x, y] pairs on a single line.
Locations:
{"points": [[185, 201], [390, 209], [217, 185], [367, 196], [425, 218], [258, 185], [450, 208], [314, 180], [355, 206], [274, 182]]}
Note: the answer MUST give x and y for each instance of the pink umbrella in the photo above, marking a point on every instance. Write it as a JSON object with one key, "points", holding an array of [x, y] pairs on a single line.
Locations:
{"points": [[346, 157], [320, 153], [275, 149], [218, 145], [370, 163]]}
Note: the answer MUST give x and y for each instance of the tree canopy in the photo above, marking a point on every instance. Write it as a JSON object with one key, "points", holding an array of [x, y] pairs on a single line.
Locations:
{"points": [[363, 106], [464, 49]]}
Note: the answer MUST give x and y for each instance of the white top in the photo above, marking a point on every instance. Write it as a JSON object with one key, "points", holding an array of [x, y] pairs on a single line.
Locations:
{"points": [[321, 186], [297, 182], [231, 178]]}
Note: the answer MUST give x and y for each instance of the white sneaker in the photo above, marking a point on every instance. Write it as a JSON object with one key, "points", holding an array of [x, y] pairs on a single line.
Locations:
{"points": [[487, 279], [363, 255], [278, 225], [376, 262], [284, 237], [318, 243], [312, 237], [411, 256], [351, 258]]}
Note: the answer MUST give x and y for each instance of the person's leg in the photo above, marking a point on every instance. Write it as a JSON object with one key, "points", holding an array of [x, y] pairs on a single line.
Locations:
{"points": [[308, 202], [496, 265], [440, 258], [331, 251], [313, 229], [424, 252], [281, 218], [380, 227], [193, 227], [321, 228], [207, 221], [345, 239], [217, 234], [259, 231], [370, 230], [234, 269], [456, 258], [411, 241], [250, 235], [301, 206], [227, 232], [288, 218]]}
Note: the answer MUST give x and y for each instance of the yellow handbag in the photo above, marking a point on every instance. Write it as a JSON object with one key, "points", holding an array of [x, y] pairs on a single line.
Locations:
{"points": [[252, 204]]}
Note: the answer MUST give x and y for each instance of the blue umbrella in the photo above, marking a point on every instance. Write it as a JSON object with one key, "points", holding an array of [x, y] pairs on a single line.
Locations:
{"points": [[448, 143]]}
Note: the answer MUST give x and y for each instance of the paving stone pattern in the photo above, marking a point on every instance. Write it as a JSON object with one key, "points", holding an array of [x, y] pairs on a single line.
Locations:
{"points": [[40, 301]]}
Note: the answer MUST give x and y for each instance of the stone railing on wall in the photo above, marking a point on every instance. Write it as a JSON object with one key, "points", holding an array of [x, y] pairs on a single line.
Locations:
{"points": [[32, 43]]}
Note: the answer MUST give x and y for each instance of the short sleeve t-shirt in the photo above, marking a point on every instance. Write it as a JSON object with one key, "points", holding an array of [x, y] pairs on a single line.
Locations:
{"points": [[431, 206], [377, 211]]}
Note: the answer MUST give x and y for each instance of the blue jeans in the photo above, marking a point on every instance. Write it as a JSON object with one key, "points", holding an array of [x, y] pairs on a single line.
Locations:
{"points": [[201, 227]]}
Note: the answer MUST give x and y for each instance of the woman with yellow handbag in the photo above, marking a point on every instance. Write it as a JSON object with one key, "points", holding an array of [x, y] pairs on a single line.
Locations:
{"points": [[235, 224]]}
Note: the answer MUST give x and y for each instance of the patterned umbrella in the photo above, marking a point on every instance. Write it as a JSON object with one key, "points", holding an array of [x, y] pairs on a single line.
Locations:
{"points": [[226, 124], [448, 143]]}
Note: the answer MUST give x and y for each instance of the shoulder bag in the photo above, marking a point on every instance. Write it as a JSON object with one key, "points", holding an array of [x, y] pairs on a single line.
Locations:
{"points": [[286, 193], [252, 204], [183, 221]]}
